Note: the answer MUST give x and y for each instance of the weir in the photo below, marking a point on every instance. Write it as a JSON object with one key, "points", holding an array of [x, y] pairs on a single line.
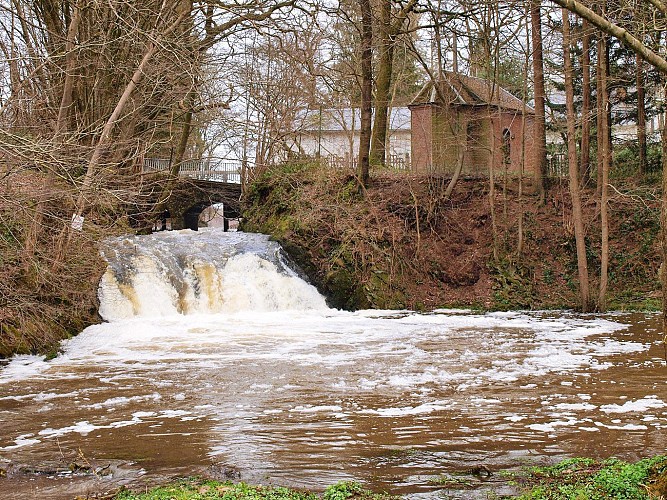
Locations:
{"points": [[211, 271]]}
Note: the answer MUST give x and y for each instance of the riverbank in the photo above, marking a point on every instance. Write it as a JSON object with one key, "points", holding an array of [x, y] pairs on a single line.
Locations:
{"points": [[48, 272], [402, 244], [570, 479]]}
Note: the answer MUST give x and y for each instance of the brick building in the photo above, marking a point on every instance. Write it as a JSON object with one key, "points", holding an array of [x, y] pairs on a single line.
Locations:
{"points": [[469, 119]]}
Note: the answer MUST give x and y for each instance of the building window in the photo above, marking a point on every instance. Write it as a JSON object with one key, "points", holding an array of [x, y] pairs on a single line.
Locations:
{"points": [[507, 139]]}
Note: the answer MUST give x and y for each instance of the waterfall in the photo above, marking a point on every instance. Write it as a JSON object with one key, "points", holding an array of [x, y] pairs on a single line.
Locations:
{"points": [[210, 271]]}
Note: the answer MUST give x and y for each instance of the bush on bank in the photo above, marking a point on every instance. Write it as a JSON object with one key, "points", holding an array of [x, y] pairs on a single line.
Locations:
{"points": [[49, 273]]}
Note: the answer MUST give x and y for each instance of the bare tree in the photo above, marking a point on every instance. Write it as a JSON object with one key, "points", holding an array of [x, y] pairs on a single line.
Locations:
{"points": [[641, 114], [540, 138], [577, 214], [390, 26], [604, 154], [366, 90], [585, 103]]}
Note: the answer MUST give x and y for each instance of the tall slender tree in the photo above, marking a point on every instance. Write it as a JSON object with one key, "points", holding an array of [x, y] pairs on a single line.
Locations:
{"points": [[573, 168], [585, 159], [540, 131], [390, 26], [641, 114], [366, 91], [604, 152]]}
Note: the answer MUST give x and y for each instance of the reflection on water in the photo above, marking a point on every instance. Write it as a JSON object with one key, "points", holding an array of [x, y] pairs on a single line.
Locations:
{"points": [[311, 397]]}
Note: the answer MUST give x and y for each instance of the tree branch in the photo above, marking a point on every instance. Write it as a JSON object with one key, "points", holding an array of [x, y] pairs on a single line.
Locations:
{"points": [[616, 31]]}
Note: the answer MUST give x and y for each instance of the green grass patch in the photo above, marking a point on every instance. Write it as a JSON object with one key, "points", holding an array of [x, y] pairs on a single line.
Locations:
{"points": [[200, 489], [587, 479]]}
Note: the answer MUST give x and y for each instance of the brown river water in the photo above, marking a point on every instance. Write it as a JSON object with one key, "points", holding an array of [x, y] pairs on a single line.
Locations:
{"points": [[217, 359]]}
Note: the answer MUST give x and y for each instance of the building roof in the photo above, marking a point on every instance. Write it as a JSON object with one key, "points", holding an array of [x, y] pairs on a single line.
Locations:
{"points": [[348, 119], [456, 88]]}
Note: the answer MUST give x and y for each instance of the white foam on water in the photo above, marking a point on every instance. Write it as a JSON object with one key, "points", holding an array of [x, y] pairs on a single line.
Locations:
{"points": [[337, 339], [121, 401], [316, 409], [626, 427], [21, 441], [84, 428], [640, 405], [575, 406], [515, 418], [407, 410], [22, 367], [550, 427]]}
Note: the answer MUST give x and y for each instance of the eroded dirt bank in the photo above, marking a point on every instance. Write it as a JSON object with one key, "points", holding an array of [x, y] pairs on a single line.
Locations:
{"points": [[403, 245]]}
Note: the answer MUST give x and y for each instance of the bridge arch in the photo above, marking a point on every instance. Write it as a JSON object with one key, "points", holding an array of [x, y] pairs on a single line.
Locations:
{"points": [[192, 216], [190, 198]]}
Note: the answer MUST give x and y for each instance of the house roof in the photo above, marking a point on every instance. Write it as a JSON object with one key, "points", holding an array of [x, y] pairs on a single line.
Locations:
{"points": [[456, 88], [348, 119]]}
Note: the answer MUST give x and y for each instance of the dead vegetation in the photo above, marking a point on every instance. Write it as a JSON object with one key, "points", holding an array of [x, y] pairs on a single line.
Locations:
{"points": [[49, 272], [405, 245]]}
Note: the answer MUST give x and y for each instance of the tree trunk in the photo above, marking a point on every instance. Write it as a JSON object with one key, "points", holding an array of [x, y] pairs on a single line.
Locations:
{"points": [[185, 135], [577, 214], [604, 151], [70, 64], [366, 90], [540, 147], [586, 105], [600, 120], [641, 116], [663, 227], [492, 185], [378, 151]]}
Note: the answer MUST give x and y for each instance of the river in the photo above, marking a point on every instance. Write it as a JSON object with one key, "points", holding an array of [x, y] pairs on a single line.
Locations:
{"points": [[217, 358]]}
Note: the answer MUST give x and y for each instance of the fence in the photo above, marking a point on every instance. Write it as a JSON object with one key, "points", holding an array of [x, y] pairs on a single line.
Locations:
{"points": [[206, 169], [394, 162], [557, 165]]}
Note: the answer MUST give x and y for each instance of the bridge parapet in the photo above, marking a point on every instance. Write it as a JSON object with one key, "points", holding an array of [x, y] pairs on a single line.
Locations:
{"points": [[205, 169]]}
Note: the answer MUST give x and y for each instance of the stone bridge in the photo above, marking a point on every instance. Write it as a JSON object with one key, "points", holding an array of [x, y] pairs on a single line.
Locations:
{"points": [[202, 182], [190, 197]]}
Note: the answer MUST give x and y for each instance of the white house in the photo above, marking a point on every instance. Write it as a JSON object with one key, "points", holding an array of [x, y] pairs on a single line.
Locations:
{"points": [[333, 134]]}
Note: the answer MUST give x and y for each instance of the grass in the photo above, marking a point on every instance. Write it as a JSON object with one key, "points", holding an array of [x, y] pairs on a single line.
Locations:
{"points": [[571, 479], [200, 489], [587, 479]]}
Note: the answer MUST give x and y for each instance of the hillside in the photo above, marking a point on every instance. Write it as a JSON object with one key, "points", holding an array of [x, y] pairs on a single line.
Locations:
{"points": [[402, 245]]}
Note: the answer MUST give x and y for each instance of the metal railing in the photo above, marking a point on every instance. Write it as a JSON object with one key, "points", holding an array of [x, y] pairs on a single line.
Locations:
{"points": [[206, 169], [557, 165], [394, 162]]}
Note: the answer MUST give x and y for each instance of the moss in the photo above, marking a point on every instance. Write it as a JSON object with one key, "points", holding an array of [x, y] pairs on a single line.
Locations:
{"points": [[343, 290], [512, 285]]}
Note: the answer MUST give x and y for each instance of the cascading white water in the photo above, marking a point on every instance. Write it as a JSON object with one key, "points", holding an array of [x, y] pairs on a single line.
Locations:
{"points": [[210, 271]]}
